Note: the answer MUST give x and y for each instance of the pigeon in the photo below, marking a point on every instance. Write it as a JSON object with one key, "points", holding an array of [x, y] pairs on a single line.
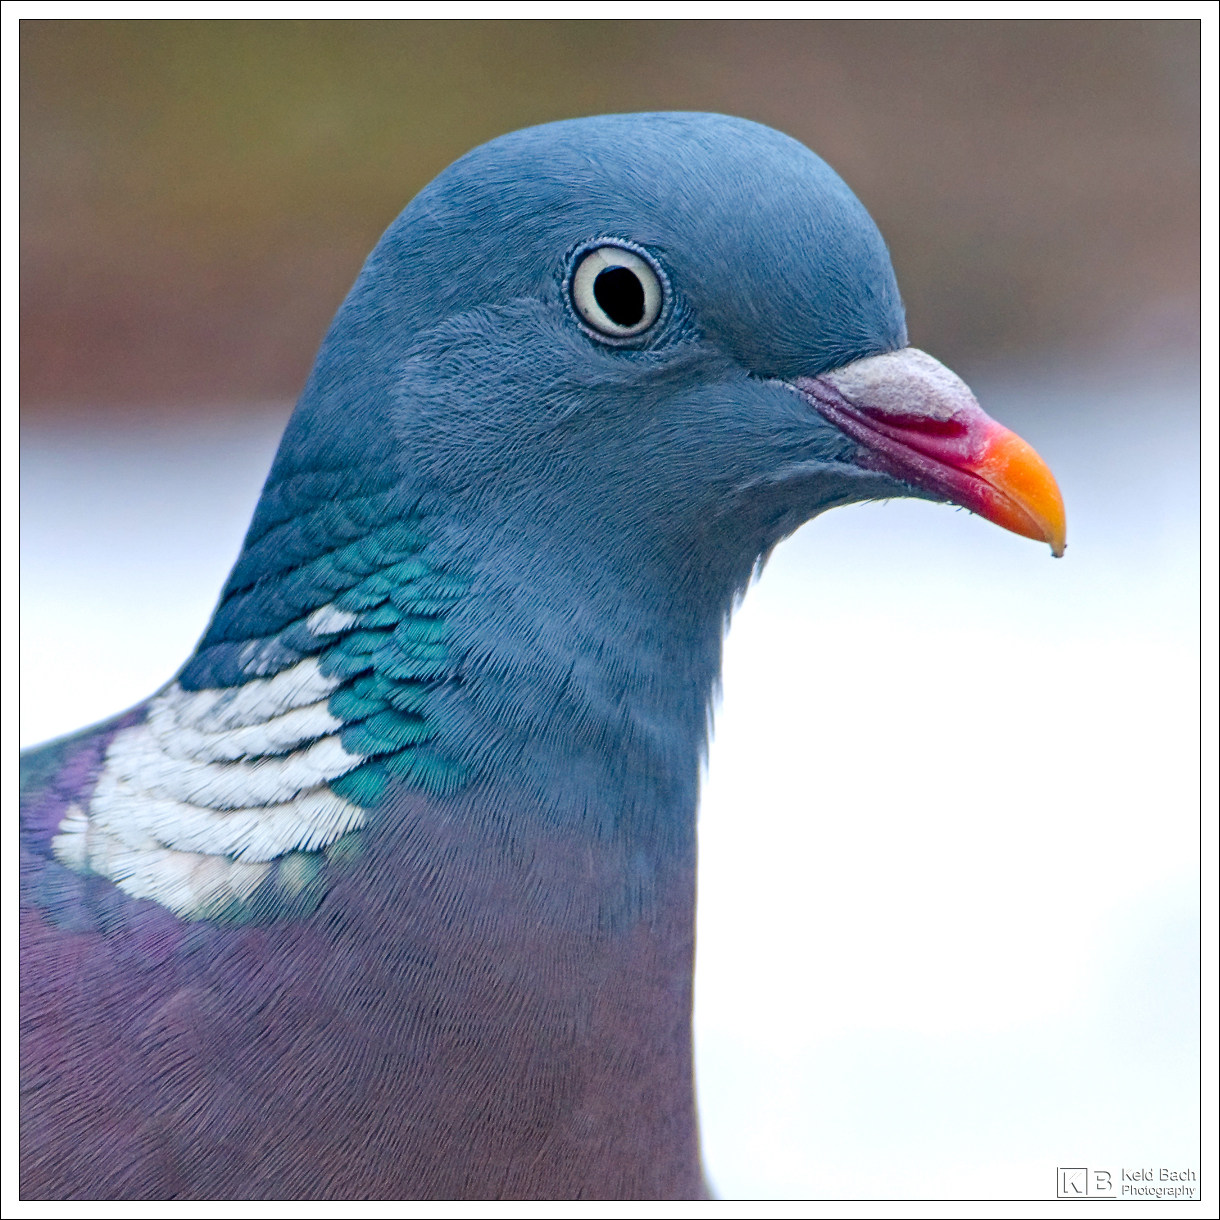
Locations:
{"points": [[390, 892]]}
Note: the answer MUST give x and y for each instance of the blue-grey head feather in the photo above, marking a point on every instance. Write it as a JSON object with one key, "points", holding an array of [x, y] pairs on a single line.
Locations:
{"points": [[580, 515]]}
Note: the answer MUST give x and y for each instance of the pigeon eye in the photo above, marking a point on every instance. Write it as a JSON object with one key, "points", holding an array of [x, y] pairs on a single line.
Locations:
{"points": [[616, 292]]}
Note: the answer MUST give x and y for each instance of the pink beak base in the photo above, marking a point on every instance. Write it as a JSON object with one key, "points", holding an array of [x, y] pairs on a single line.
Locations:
{"points": [[919, 422]]}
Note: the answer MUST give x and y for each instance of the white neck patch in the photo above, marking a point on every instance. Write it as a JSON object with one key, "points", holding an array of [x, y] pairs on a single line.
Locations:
{"points": [[193, 806]]}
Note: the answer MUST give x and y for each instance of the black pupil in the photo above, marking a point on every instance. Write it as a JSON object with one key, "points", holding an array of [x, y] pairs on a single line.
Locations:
{"points": [[620, 293]]}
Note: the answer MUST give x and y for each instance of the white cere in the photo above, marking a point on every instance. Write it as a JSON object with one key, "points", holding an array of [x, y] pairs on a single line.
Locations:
{"points": [[616, 292]]}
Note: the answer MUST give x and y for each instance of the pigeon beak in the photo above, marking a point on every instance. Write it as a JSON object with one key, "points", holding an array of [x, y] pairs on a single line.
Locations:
{"points": [[919, 422]]}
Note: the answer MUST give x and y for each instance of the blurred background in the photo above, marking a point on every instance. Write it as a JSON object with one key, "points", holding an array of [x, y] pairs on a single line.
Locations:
{"points": [[949, 909], [199, 195]]}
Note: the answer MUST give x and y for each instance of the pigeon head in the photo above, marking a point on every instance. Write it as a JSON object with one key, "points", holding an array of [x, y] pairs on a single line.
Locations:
{"points": [[474, 356], [476, 341], [584, 384]]}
